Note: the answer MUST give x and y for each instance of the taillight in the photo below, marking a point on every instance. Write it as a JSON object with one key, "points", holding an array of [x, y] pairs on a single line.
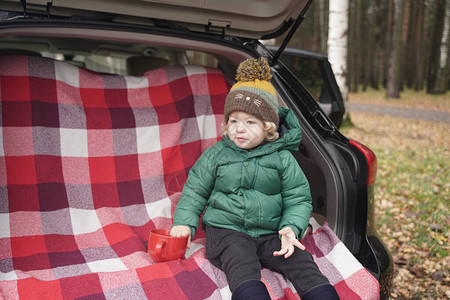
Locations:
{"points": [[371, 159]]}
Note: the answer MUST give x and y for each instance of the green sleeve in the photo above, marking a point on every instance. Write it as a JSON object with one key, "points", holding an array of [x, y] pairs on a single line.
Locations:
{"points": [[296, 195], [196, 191]]}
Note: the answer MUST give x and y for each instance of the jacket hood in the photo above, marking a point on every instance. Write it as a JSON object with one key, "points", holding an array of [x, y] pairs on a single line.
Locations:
{"points": [[290, 136], [289, 130]]}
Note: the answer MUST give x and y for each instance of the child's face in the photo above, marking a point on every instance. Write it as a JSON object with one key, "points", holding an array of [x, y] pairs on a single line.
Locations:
{"points": [[245, 130]]}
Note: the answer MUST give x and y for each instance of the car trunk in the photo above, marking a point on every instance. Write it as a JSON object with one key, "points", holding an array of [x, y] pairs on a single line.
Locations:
{"points": [[327, 181], [337, 175]]}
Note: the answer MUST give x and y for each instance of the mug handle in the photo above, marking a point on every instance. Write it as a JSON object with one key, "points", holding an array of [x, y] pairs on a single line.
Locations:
{"points": [[159, 250]]}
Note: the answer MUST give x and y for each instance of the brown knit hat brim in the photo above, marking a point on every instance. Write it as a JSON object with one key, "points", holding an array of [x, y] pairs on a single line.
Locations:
{"points": [[251, 103]]}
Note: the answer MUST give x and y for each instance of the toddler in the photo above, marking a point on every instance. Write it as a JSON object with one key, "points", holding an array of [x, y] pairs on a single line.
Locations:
{"points": [[256, 196]]}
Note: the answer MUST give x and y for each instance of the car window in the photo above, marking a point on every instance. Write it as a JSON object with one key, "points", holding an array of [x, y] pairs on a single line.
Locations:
{"points": [[307, 71], [95, 62], [314, 72], [201, 58], [106, 56]]}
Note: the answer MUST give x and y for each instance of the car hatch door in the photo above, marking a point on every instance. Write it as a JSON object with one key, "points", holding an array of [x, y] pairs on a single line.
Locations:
{"points": [[314, 71]]}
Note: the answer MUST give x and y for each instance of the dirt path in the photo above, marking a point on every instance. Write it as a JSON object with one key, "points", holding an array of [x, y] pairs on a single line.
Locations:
{"points": [[401, 112]]}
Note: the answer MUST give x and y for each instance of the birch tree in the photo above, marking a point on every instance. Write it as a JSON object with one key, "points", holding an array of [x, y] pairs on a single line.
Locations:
{"points": [[337, 43]]}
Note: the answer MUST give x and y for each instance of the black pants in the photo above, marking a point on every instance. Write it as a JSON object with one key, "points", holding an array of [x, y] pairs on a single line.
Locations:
{"points": [[241, 256]]}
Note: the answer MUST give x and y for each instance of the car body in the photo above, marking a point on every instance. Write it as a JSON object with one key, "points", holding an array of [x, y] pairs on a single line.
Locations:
{"points": [[122, 36]]}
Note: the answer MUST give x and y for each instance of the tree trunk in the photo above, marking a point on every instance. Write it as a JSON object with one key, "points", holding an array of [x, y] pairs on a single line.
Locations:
{"points": [[359, 49], [443, 72], [350, 42], [393, 83], [405, 36], [418, 74], [438, 24], [382, 41], [370, 57], [323, 26], [316, 28], [362, 40], [337, 43], [389, 35], [426, 40], [374, 47]]}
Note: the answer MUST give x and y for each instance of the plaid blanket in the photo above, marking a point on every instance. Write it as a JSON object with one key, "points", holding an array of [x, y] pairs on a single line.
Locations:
{"points": [[90, 163]]}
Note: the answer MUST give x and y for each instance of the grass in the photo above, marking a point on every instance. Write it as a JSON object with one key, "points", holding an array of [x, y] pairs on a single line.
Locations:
{"points": [[412, 191]]}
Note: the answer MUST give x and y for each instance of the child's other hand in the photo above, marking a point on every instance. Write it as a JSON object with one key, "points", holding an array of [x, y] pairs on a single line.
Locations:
{"points": [[288, 242], [180, 231]]}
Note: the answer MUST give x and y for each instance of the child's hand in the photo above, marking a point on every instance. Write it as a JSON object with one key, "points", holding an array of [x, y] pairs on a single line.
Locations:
{"points": [[288, 241], [180, 231]]}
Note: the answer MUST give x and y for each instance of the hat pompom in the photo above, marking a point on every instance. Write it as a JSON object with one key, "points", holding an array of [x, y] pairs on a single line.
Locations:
{"points": [[252, 69], [253, 93]]}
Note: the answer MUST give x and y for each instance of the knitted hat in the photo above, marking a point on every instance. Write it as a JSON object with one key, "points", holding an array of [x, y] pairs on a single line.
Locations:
{"points": [[253, 93]]}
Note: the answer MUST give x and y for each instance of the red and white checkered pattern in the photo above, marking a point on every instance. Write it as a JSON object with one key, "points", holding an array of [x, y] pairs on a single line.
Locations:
{"points": [[91, 162]]}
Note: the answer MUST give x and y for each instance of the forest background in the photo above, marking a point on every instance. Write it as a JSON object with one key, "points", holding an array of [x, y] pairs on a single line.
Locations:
{"points": [[397, 49], [392, 44]]}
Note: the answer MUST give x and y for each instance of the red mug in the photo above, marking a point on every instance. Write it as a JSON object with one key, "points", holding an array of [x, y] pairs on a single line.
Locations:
{"points": [[163, 247]]}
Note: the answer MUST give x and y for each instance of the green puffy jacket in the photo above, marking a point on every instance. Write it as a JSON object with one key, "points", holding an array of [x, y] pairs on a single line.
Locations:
{"points": [[257, 192]]}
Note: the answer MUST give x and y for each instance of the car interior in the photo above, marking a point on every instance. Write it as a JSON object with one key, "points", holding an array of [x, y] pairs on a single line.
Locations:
{"points": [[137, 53]]}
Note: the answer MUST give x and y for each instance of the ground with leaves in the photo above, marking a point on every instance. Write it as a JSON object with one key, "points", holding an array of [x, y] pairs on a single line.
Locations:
{"points": [[412, 191]]}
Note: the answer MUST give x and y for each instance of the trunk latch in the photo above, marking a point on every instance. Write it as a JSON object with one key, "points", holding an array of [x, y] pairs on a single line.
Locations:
{"points": [[217, 26], [42, 7]]}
